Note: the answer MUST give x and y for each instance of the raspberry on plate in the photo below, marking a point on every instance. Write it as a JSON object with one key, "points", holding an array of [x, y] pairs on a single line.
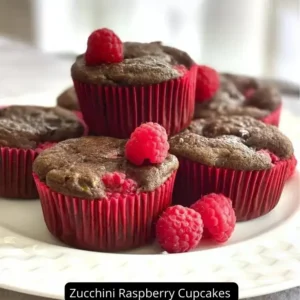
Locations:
{"points": [[207, 83], [179, 229], [148, 142], [103, 46], [218, 216]]}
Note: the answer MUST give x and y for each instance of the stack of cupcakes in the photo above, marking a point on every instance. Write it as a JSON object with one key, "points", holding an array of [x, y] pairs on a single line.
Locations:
{"points": [[158, 121]]}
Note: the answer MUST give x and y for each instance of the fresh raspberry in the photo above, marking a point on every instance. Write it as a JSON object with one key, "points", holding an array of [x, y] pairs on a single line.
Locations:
{"points": [[118, 183], [274, 158], [179, 229], [148, 143], [103, 46], [207, 84], [218, 216]]}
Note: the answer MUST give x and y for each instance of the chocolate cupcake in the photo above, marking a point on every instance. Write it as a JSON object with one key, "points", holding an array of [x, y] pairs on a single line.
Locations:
{"points": [[148, 82], [24, 132], [243, 96], [68, 100], [240, 157], [93, 198]]}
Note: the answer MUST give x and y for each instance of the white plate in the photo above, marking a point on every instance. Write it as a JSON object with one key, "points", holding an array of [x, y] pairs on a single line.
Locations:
{"points": [[263, 255]]}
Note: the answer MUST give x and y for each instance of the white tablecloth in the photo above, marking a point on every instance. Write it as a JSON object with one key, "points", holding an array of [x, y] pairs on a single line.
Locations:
{"points": [[25, 71]]}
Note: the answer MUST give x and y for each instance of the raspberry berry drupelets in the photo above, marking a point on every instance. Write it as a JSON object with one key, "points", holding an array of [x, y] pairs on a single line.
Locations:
{"points": [[180, 229], [115, 202], [207, 83], [122, 85], [218, 216]]}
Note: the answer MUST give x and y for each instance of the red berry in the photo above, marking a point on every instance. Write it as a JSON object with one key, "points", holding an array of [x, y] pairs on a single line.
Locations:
{"points": [[179, 229], [274, 158], [103, 46], [218, 216], [148, 142], [292, 167], [118, 183], [207, 83]]}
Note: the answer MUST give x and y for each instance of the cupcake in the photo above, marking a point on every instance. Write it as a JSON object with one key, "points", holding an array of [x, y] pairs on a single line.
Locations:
{"points": [[68, 100], [243, 96], [24, 132], [93, 198], [122, 85], [240, 157]]}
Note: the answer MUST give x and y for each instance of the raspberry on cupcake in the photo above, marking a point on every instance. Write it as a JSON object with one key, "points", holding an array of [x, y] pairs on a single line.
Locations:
{"points": [[24, 132], [240, 157], [96, 197], [122, 85], [238, 95]]}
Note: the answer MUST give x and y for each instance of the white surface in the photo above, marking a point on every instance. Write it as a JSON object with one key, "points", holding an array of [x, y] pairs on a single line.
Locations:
{"points": [[263, 256]]}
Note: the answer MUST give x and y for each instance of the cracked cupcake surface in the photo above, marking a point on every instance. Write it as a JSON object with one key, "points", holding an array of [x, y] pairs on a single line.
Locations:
{"points": [[232, 142], [76, 167], [230, 99], [144, 63], [27, 127]]}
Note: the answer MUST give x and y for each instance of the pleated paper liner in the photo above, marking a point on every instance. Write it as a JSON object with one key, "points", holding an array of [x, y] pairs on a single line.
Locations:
{"points": [[273, 118], [16, 179], [111, 224], [253, 193], [292, 168], [117, 111], [16, 172]]}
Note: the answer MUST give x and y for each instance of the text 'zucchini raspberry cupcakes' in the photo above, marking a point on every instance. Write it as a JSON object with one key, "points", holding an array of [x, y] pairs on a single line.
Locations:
{"points": [[103, 193], [240, 157], [122, 85], [24, 132], [236, 95]]}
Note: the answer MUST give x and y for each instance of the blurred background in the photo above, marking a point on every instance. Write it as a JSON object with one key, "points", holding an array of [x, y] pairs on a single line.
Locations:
{"points": [[253, 37]]}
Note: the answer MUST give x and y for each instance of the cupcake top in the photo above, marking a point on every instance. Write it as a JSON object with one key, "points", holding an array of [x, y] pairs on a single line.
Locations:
{"points": [[143, 64], [230, 99], [28, 127], [68, 99], [78, 167], [238, 142]]}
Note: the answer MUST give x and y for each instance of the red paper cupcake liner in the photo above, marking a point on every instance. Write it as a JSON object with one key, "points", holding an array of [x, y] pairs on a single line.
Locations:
{"points": [[273, 118], [117, 111], [104, 224], [16, 173], [253, 193], [16, 179]]}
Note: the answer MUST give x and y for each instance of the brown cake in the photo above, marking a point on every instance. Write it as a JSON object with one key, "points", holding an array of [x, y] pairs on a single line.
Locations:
{"points": [[24, 132], [238, 156], [93, 198], [150, 82], [68, 99], [243, 96]]}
